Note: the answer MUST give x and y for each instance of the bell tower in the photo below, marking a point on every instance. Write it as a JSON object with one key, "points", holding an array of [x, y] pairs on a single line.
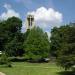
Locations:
{"points": [[29, 22]]}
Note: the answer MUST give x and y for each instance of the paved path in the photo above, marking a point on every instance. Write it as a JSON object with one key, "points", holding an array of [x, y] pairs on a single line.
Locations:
{"points": [[2, 73]]}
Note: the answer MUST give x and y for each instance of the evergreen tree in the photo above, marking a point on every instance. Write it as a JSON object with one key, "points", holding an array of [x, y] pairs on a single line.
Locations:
{"points": [[37, 45]]}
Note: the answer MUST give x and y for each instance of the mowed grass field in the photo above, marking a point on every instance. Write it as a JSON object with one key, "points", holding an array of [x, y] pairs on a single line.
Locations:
{"points": [[24, 68]]}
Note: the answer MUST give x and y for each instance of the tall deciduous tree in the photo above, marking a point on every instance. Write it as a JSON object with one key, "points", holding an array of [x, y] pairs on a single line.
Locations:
{"points": [[63, 45], [37, 45], [11, 38]]}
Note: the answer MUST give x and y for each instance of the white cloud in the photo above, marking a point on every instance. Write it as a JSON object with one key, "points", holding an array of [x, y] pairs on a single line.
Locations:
{"points": [[7, 6], [9, 12], [47, 18], [23, 29]]}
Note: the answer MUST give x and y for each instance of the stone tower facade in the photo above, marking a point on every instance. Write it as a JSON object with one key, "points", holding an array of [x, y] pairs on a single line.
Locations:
{"points": [[29, 22]]}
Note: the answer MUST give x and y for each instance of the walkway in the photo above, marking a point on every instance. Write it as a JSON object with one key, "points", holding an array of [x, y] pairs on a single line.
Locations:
{"points": [[2, 73]]}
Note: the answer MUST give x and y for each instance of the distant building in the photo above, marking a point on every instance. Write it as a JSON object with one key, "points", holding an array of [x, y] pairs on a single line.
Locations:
{"points": [[29, 22]]}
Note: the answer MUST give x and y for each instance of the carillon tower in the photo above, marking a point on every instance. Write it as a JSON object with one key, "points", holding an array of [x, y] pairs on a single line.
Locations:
{"points": [[29, 22]]}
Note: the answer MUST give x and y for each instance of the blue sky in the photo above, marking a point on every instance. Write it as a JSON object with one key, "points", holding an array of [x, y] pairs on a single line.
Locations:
{"points": [[65, 10]]}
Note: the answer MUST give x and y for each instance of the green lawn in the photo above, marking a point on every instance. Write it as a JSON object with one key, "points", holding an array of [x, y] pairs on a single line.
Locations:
{"points": [[23, 68]]}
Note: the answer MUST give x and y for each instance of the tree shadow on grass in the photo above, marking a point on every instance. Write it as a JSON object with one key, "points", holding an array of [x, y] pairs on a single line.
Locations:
{"points": [[66, 73]]}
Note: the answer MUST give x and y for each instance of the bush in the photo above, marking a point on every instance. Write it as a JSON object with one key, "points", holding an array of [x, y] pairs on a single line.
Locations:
{"points": [[4, 60]]}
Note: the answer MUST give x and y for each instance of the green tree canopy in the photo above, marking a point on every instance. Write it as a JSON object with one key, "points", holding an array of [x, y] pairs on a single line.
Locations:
{"points": [[63, 45], [11, 38], [37, 45]]}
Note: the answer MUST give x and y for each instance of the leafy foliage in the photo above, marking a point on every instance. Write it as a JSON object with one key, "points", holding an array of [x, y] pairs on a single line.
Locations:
{"points": [[11, 38], [37, 45], [63, 45], [4, 60]]}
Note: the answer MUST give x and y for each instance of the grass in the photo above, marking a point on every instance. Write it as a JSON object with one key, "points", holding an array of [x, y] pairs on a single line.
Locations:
{"points": [[24, 68]]}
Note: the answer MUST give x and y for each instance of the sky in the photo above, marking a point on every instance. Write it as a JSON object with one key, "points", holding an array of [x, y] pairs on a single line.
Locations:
{"points": [[47, 13]]}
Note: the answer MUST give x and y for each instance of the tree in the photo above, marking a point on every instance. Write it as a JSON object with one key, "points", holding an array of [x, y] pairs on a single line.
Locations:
{"points": [[11, 38], [25, 35], [37, 45], [3, 35], [15, 46], [13, 24], [63, 45], [4, 60]]}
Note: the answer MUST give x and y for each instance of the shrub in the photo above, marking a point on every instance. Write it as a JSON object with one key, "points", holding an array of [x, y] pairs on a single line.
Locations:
{"points": [[4, 60]]}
